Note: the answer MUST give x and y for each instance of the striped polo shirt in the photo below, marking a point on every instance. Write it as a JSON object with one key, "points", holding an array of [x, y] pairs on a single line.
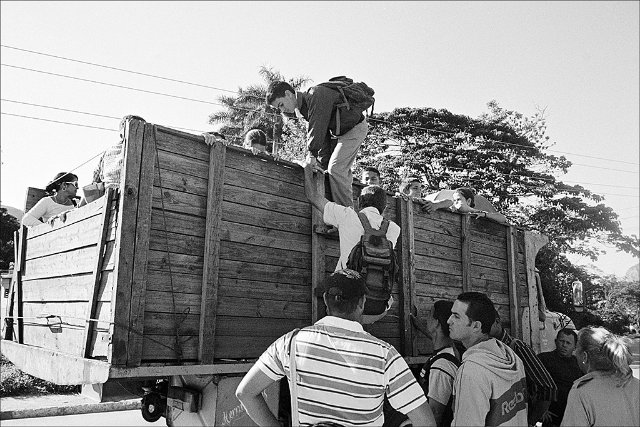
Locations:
{"points": [[343, 374]]}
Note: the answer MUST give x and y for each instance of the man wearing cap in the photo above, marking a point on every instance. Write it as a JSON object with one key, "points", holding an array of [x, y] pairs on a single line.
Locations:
{"points": [[343, 372]]}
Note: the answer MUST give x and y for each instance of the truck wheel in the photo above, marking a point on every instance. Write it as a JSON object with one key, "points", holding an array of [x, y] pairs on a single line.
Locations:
{"points": [[152, 407]]}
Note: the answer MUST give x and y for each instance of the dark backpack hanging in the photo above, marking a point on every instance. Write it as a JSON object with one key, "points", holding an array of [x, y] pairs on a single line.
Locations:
{"points": [[355, 96], [374, 259]]}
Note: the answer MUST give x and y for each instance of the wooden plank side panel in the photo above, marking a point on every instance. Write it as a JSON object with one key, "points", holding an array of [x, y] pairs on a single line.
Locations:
{"points": [[319, 244], [67, 288], [64, 329], [77, 235], [251, 215], [212, 254], [148, 173], [406, 264], [94, 289], [125, 241], [284, 172], [73, 216], [78, 261]]}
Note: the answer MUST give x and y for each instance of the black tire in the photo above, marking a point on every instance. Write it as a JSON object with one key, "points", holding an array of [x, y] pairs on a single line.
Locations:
{"points": [[153, 407]]}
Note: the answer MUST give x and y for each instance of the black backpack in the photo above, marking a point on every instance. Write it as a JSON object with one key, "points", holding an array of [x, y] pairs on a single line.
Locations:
{"points": [[355, 95], [447, 417], [374, 259]]}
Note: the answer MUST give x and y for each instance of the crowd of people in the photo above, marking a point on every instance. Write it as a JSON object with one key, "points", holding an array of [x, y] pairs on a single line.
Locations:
{"points": [[479, 374], [341, 375]]}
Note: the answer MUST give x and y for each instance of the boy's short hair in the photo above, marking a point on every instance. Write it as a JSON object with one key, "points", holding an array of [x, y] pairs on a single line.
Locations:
{"points": [[276, 90], [255, 136], [442, 312], [372, 169], [467, 193], [373, 195], [480, 308], [404, 185], [569, 333]]}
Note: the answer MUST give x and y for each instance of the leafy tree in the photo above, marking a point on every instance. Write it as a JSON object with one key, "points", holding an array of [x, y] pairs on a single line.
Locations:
{"points": [[501, 154], [616, 301], [8, 224], [248, 110]]}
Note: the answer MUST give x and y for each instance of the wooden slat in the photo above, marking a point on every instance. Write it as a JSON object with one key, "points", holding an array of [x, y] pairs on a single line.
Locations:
{"points": [[164, 324], [230, 326], [247, 180], [163, 347], [318, 252], [237, 347], [243, 214], [247, 307], [177, 201], [406, 260], [211, 268], [73, 216], [438, 265], [67, 288], [96, 275], [180, 263], [435, 250], [178, 243], [514, 298], [78, 235], [183, 173], [257, 254], [289, 173], [260, 236], [264, 290], [166, 140], [148, 173], [282, 202], [78, 261], [186, 283], [264, 272], [172, 302], [125, 241], [178, 222], [487, 273], [423, 222], [19, 266], [465, 241]]}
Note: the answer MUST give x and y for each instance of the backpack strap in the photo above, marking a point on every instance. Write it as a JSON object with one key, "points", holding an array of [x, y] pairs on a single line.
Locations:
{"points": [[293, 372], [368, 229]]}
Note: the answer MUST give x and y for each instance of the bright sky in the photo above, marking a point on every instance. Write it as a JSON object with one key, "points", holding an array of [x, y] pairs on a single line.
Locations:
{"points": [[577, 60]]}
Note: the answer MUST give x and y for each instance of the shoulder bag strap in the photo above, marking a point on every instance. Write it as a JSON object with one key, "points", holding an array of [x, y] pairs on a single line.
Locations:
{"points": [[293, 372]]}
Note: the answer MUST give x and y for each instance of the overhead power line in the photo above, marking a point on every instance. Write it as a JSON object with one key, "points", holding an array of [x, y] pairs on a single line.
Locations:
{"points": [[200, 131], [245, 109], [532, 186], [120, 69], [236, 92]]}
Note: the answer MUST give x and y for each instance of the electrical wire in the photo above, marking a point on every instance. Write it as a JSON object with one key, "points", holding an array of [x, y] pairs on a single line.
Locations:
{"points": [[550, 180], [236, 92]]}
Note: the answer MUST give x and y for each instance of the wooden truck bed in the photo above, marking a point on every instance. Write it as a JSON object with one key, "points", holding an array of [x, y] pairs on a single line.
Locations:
{"points": [[205, 255]]}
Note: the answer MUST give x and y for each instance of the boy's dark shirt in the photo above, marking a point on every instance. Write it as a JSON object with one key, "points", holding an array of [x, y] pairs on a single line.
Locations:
{"points": [[565, 371]]}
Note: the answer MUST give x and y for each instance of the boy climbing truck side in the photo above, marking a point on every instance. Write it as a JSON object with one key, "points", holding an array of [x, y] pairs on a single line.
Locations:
{"points": [[205, 255]]}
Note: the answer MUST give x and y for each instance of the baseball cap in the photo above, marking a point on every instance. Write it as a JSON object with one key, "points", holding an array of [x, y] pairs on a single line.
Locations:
{"points": [[346, 284]]}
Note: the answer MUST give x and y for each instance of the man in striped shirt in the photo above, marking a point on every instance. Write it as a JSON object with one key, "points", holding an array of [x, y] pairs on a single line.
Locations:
{"points": [[541, 387], [343, 372]]}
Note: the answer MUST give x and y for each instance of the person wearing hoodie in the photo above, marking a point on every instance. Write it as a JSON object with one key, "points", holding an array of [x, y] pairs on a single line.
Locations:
{"points": [[490, 388]]}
